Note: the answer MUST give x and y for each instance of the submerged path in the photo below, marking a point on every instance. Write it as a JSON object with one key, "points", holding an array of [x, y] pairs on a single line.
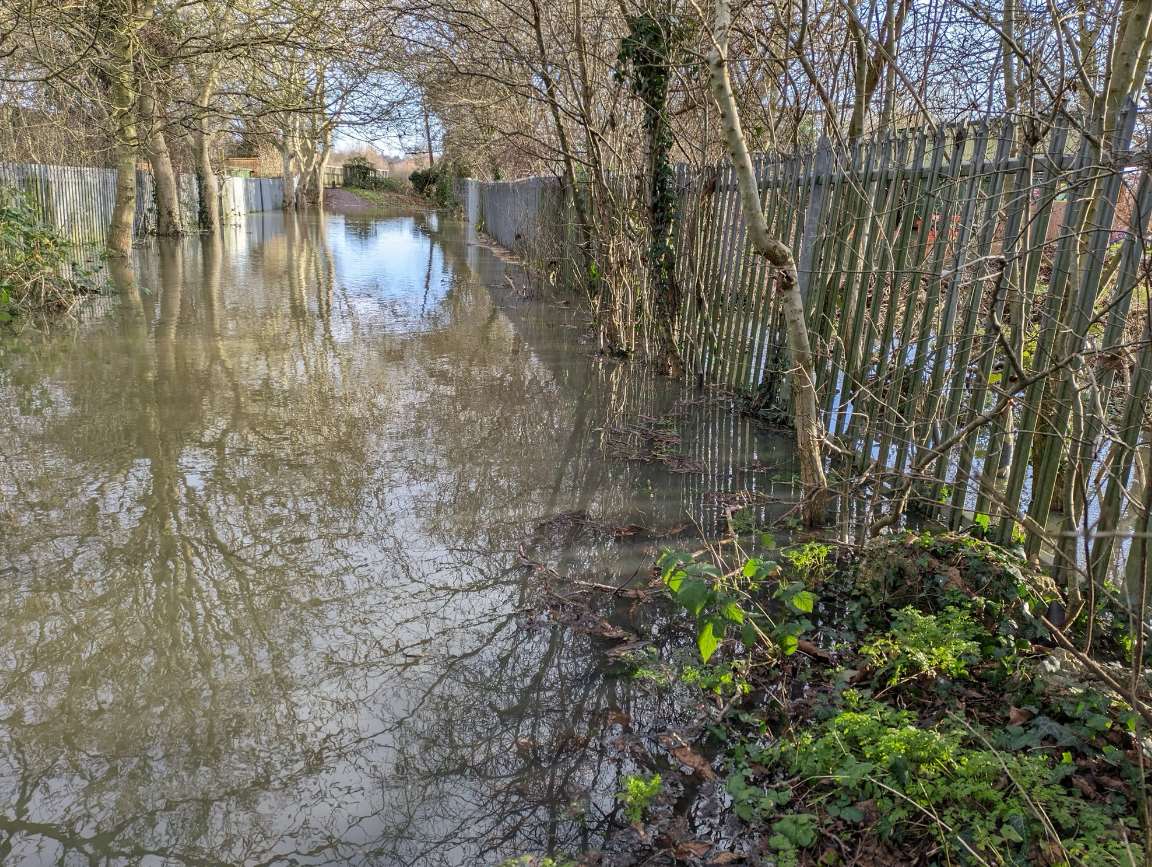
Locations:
{"points": [[261, 527]]}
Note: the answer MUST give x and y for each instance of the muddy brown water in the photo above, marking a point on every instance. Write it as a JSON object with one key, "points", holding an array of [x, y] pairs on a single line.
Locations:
{"points": [[262, 598]]}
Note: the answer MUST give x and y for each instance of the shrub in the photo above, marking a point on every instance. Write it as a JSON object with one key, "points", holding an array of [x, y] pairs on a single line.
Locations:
{"points": [[435, 182], [924, 785]]}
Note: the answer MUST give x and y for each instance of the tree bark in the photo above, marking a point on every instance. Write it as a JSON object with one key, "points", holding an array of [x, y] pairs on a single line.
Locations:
{"points": [[809, 430], [1129, 62], [206, 182], [124, 114], [165, 185], [428, 137]]}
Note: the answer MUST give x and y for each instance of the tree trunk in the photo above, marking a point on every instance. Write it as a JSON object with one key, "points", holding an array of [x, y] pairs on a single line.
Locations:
{"points": [[1128, 64], [809, 430], [428, 137], [206, 182], [124, 112], [165, 184], [290, 178], [584, 226]]}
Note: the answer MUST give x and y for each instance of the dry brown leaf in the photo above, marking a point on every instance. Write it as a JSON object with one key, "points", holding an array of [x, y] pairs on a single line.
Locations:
{"points": [[725, 858], [691, 849], [687, 756], [1017, 716], [1086, 788], [806, 646]]}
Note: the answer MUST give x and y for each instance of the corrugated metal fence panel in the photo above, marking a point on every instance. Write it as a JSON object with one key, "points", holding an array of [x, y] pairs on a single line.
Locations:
{"points": [[78, 200]]}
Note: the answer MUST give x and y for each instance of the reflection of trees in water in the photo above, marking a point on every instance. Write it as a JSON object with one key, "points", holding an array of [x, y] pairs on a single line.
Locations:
{"points": [[264, 598]]}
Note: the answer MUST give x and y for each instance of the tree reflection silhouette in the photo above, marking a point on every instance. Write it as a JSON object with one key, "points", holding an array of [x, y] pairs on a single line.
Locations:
{"points": [[263, 599]]}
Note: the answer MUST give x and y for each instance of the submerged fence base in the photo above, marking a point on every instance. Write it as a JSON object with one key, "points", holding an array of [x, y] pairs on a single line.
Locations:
{"points": [[949, 276]]}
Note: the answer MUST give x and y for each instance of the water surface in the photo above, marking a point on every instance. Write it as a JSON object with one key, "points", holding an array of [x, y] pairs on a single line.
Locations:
{"points": [[263, 527]]}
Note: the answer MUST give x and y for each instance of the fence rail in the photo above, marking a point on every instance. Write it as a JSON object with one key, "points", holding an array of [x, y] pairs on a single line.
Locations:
{"points": [[78, 200], [937, 267]]}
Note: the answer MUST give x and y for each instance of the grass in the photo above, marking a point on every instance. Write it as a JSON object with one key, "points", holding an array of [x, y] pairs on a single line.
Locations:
{"points": [[390, 193]]}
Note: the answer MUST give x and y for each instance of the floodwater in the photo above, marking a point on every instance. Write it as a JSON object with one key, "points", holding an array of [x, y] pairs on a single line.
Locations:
{"points": [[263, 526]]}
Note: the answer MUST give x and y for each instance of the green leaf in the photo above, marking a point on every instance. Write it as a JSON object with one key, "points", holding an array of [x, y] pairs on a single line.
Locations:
{"points": [[1010, 833], [748, 634], [694, 594], [732, 611], [672, 561], [751, 567], [788, 643], [803, 601], [706, 640]]}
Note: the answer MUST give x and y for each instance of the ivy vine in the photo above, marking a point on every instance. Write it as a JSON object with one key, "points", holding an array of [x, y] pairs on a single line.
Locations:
{"points": [[647, 56]]}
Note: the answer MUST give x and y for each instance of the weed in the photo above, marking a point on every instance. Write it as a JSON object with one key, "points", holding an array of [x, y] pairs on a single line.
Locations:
{"points": [[723, 680], [33, 260], [928, 781], [638, 794], [925, 644], [723, 604], [809, 559]]}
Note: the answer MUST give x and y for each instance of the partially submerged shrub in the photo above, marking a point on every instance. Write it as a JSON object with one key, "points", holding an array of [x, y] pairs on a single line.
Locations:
{"points": [[638, 794], [435, 182]]}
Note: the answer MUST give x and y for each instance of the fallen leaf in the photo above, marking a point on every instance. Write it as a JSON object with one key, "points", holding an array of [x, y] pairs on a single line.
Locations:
{"points": [[691, 849], [622, 650], [615, 716], [725, 858], [1017, 716], [604, 629], [1085, 787], [806, 646], [687, 756]]}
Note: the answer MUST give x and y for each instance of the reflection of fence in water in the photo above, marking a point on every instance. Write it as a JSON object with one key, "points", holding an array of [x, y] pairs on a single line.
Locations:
{"points": [[933, 262]]}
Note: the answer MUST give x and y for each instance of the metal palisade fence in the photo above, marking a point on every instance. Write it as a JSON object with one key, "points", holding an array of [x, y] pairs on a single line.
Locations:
{"points": [[977, 300]]}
